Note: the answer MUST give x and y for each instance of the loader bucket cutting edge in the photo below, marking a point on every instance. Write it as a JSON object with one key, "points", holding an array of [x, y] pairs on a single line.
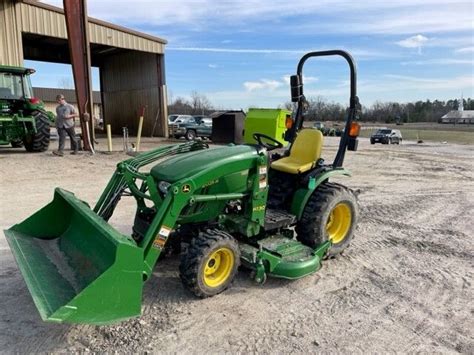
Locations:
{"points": [[77, 267]]}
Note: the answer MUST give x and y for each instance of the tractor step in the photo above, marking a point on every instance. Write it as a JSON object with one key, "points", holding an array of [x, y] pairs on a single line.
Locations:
{"points": [[278, 219]]}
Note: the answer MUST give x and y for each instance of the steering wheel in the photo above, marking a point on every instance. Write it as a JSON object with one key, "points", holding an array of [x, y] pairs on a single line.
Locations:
{"points": [[275, 144]]}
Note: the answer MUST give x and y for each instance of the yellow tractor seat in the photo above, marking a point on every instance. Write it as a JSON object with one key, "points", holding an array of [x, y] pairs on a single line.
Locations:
{"points": [[304, 153]]}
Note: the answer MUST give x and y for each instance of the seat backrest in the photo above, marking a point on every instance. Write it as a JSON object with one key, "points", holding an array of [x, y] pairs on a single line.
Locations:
{"points": [[307, 146]]}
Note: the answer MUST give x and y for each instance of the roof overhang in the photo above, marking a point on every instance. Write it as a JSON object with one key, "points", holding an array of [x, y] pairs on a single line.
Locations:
{"points": [[39, 19]]}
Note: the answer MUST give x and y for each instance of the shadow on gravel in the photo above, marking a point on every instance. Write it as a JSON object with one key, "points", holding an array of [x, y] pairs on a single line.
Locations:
{"points": [[21, 327]]}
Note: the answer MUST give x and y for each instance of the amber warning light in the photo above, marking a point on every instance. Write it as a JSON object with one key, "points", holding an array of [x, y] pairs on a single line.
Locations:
{"points": [[354, 129]]}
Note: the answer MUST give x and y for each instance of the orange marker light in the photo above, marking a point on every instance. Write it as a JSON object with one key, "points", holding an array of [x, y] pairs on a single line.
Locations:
{"points": [[354, 130], [288, 122]]}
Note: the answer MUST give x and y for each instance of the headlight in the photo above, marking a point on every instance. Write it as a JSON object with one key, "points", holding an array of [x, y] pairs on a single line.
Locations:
{"points": [[163, 186]]}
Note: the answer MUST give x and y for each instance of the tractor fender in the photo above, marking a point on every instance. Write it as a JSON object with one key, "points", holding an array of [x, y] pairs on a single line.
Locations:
{"points": [[303, 194]]}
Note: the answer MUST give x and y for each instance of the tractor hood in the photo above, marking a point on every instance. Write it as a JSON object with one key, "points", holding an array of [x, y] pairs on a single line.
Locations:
{"points": [[184, 165]]}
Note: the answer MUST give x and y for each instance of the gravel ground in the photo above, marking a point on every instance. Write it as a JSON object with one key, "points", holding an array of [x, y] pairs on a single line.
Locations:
{"points": [[404, 285]]}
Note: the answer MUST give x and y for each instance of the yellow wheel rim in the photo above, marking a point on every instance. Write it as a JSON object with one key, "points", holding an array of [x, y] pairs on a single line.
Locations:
{"points": [[339, 223], [218, 267]]}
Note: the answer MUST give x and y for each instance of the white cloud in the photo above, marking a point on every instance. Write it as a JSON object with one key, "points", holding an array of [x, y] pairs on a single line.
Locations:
{"points": [[306, 79], [272, 85], [465, 50], [413, 42], [439, 61], [263, 84], [417, 41], [394, 17], [237, 50], [213, 66], [459, 82], [361, 54], [334, 16], [458, 41]]}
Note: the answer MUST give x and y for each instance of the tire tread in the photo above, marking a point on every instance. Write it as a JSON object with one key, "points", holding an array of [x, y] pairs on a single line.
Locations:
{"points": [[310, 230], [197, 251]]}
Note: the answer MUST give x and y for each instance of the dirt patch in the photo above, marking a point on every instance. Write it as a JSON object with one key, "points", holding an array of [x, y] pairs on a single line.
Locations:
{"points": [[404, 285]]}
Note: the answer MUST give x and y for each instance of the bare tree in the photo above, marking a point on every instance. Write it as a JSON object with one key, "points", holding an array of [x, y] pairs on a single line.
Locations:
{"points": [[198, 105]]}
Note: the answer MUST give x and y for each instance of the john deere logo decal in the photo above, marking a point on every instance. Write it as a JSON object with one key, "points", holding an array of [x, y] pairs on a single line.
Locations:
{"points": [[186, 188]]}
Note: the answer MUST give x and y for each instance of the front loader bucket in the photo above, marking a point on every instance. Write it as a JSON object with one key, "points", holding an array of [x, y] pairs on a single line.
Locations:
{"points": [[77, 267]]}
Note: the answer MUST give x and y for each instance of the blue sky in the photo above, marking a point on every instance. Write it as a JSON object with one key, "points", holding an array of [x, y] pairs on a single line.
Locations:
{"points": [[241, 53]]}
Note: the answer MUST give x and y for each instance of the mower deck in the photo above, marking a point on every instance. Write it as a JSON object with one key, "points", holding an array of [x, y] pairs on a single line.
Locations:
{"points": [[282, 257]]}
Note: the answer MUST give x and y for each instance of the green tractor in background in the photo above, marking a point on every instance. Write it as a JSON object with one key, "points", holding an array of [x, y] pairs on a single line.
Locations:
{"points": [[276, 214], [23, 119]]}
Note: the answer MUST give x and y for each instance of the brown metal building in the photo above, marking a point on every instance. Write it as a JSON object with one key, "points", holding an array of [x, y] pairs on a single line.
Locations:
{"points": [[131, 64]]}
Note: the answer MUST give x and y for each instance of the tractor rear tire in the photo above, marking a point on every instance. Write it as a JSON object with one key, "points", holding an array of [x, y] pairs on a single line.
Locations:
{"points": [[39, 141], [331, 213], [210, 263]]}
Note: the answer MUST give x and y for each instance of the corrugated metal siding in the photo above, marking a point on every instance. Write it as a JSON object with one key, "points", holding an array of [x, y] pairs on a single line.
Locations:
{"points": [[11, 50], [132, 76], [114, 38], [47, 22], [137, 85], [43, 22]]}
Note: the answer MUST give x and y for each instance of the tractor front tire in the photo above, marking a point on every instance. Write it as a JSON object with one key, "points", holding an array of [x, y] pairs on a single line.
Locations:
{"points": [[331, 213], [39, 141], [210, 263], [17, 144], [190, 135]]}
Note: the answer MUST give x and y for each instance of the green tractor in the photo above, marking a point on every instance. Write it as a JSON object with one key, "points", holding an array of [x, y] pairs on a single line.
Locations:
{"points": [[23, 119], [276, 214]]}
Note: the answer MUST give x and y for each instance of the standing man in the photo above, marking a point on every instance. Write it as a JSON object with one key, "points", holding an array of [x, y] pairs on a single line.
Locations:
{"points": [[65, 115]]}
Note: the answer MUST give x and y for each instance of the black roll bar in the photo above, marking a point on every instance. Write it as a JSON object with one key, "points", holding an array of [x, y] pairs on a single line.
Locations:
{"points": [[298, 96]]}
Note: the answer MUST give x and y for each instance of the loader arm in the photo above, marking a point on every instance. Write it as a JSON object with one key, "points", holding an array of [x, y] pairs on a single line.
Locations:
{"points": [[127, 174], [128, 180]]}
